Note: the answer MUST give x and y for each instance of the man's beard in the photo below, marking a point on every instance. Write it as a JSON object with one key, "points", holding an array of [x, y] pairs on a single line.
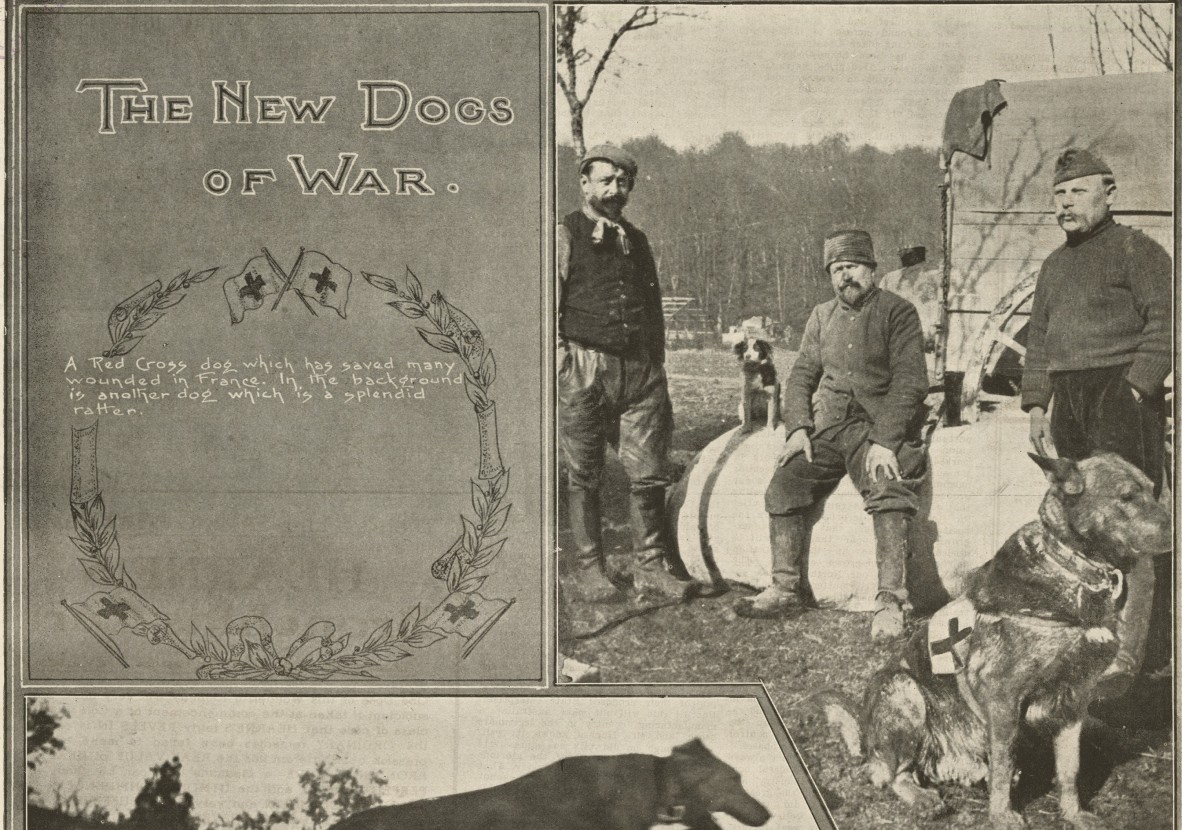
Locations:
{"points": [[851, 292], [611, 207]]}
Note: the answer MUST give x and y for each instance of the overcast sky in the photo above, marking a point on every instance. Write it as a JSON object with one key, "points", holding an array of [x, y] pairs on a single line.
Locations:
{"points": [[883, 75], [247, 754]]}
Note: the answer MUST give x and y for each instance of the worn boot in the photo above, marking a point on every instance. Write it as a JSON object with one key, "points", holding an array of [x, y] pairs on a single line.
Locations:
{"points": [[651, 577], [890, 605], [589, 580], [1132, 630], [790, 593]]}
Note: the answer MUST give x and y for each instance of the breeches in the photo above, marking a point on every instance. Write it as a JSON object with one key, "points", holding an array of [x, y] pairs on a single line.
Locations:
{"points": [[604, 399], [840, 450]]}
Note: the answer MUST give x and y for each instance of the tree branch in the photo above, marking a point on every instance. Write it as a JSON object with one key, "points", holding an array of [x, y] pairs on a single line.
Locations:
{"points": [[1141, 35], [642, 18]]}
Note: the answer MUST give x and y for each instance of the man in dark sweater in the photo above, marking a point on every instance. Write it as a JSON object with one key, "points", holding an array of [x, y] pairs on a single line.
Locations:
{"points": [[853, 404], [611, 379], [1098, 346]]}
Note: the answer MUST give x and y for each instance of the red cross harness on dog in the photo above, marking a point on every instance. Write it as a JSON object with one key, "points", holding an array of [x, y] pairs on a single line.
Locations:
{"points": [[948, 645], [949, 632]]}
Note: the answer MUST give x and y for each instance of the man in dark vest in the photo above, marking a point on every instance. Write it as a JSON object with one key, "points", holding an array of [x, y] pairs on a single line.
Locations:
{"points": [[611, 379], [853, 405], [1098, 346]]}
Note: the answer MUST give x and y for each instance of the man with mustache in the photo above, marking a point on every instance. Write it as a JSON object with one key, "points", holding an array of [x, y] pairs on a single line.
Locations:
{"points": [[1098, 346], [853, 404], [611, 380]]}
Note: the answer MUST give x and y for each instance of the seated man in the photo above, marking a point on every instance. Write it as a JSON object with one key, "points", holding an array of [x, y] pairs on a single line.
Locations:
{"points": [[853, 403]]}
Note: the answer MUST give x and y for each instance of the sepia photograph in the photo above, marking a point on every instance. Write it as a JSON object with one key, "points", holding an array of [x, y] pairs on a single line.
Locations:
{"points": [[531, 416], [619, 761], [864, 362]]}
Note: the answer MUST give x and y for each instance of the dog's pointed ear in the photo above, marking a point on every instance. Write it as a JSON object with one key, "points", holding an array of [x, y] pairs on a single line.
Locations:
{"points": [[740, 347], [694, 747], [1062, 473]]}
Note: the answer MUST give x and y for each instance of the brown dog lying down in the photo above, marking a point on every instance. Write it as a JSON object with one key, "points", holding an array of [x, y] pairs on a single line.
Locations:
{"points": [[595, 792], [1045, 630]]}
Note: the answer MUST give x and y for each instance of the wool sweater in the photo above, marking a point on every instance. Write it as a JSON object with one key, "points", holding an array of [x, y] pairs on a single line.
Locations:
{"points": [[1102, 299], [870, 355]]}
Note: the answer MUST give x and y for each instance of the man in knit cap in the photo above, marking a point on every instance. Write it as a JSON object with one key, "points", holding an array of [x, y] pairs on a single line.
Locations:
{"points": [[611, 380], [853, 404], [1098, 346]]}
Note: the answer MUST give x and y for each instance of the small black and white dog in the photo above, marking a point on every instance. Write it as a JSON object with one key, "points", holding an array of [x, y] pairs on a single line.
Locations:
{"points": [[761, 387]]}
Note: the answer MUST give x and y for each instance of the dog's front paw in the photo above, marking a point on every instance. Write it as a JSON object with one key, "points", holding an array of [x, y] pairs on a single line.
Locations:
{"points": [[929, 806], [1084, 820], [1009, 820]]}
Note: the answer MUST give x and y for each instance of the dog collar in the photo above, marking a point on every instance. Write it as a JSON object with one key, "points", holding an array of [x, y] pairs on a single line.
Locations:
{"points": [[1091, 576], [672, 814], [669, 811]]}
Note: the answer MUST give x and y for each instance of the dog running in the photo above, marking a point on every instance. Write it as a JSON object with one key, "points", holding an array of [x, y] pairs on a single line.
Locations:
{"points": [[596, 792], [1044, 631], [761, 387]]}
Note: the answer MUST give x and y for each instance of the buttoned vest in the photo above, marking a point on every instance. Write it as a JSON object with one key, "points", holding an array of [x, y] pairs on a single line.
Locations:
{"points": [[611, 301]]}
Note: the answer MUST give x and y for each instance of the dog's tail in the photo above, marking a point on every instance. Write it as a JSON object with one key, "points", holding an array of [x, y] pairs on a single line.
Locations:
{"points": [[841, 712]]}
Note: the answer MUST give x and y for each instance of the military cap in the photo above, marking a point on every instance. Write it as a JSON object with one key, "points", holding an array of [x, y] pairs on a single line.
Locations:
{"points": [[1074, 163]]}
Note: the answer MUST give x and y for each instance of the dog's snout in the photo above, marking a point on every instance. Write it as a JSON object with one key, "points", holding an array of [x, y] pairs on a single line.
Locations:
{"points": [[756, 816]]}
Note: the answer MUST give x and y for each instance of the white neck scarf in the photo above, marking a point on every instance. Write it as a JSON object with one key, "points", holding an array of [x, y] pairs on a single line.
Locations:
{"points": [[602, 223]]}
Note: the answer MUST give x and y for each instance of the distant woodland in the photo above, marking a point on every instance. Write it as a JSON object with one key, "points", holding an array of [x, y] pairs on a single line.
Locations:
{"points": [[739, 227]]}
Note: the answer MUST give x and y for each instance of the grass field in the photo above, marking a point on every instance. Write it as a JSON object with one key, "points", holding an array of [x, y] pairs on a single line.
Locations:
{"points": [[1127, 756]]}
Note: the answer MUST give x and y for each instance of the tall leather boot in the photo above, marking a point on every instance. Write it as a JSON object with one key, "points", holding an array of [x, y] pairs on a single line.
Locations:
{"points": [[790, 593], [1132, 630], [890, 541], [651, 577], [589, 580]]}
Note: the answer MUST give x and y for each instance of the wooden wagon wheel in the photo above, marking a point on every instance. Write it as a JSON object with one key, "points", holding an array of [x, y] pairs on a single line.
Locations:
{"points": [[998, 340]]}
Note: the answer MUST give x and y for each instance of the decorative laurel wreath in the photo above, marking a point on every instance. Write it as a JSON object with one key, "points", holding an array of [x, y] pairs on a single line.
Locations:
{"points": [[247, 651]]}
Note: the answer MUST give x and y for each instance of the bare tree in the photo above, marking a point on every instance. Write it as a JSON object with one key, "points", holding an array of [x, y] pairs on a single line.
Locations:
{"points": [[571, 57], [1096, 43], [1152, 35], [1141, 31]]}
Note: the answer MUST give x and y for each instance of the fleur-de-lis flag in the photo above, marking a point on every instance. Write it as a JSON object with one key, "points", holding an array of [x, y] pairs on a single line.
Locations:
{"points": [[324, 281], [245, 291]]}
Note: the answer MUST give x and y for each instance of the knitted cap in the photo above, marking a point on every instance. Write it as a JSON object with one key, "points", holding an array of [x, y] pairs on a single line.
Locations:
{"points": [[1074, 164], [610, 153], [849, 246]]}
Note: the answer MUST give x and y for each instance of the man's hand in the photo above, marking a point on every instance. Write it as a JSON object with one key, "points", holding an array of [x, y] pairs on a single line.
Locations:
{"points": [[1040, 432], [879, 458], [561, 355], [798, 442]]}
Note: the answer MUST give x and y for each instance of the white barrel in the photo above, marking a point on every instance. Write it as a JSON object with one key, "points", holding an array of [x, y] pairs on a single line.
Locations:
{"points": [[981, 488]]}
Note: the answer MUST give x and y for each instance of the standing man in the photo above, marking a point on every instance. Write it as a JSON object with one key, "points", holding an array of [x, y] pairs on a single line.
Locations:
{"points": [[1098, 345], [611, 378], [853, 404]]}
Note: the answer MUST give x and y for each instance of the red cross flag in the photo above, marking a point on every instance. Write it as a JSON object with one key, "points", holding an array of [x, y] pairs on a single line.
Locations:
{"points": [[471, 616], [245, 292], [322, 280], [105, 613]]}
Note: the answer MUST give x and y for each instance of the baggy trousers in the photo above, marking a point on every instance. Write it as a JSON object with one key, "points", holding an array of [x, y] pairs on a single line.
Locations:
{"points": [[1095, 411], [622, 401], [840, 450]]}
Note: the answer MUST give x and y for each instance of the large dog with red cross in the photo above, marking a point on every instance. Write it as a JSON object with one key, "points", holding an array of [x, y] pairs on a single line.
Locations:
{"points": [[1024, 647]]}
